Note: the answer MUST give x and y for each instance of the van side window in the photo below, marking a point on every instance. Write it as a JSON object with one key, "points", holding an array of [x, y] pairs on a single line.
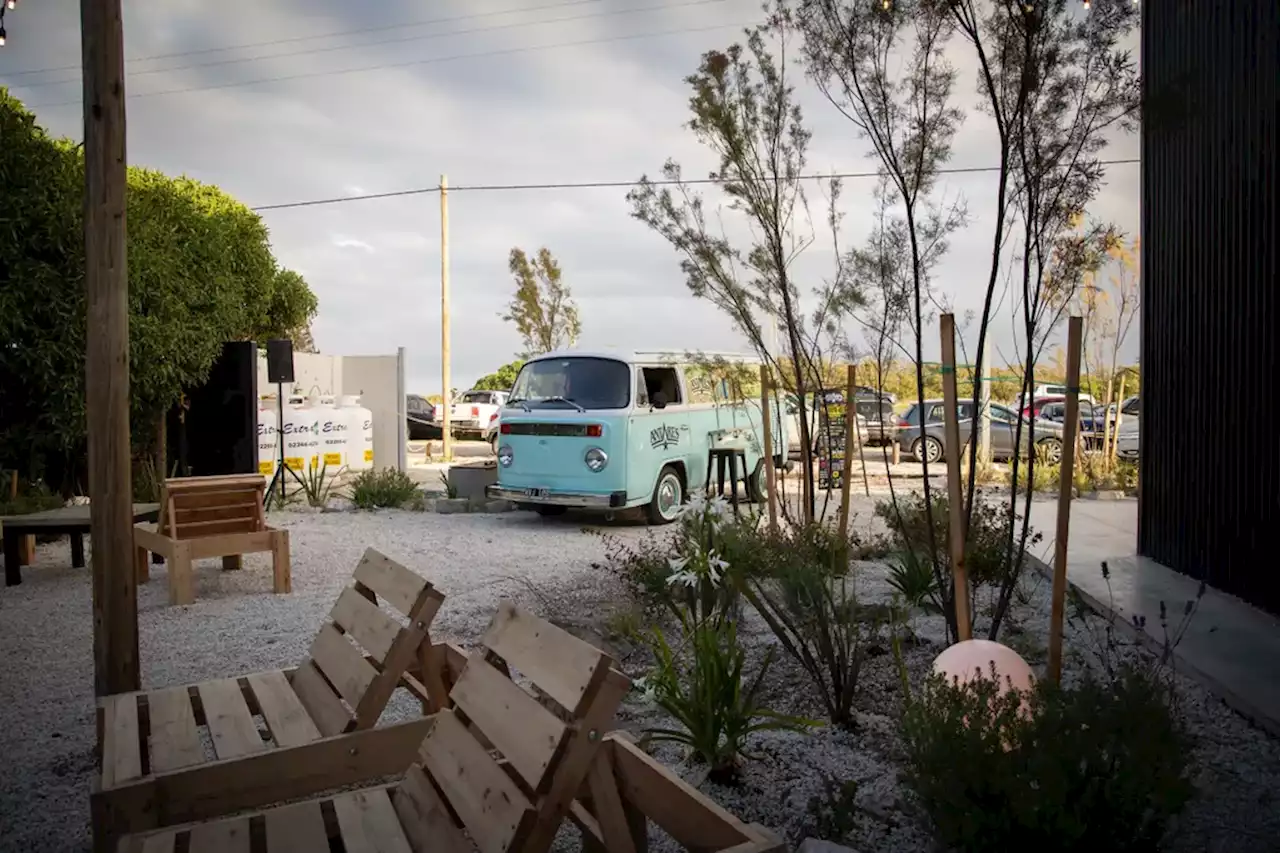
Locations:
{"points": [[662, 379], [642, 391]]}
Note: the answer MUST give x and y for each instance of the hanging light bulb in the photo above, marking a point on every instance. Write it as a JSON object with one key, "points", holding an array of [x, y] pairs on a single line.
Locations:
{"points": [[2, 36], [12, 4], [884, 4], [1086, 5]]}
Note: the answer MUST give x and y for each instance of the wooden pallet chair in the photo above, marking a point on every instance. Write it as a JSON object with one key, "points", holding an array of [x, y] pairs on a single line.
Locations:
{"points": [[628, 789], [203, 517], [277, 735], [497, 771]]}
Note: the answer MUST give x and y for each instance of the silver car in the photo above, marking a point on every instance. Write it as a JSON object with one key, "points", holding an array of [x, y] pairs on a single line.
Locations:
{"points": [[929, 443]]}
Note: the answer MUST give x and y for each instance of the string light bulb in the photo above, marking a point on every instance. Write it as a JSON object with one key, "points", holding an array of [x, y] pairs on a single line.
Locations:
{"points": [[885, 4], [12, 4], [1086, 5], [2, 35]]}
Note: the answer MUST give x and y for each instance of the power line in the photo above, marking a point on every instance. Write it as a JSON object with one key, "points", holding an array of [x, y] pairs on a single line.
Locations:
{"points": [[296, 39], [584, 185], [412, 63], [397, 40]]}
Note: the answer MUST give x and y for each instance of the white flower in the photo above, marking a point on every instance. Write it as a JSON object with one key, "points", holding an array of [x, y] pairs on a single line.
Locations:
{"points": [[697, 504], [716, 566], [677, 564], [720, 507], [686, 578], [647, 688]]}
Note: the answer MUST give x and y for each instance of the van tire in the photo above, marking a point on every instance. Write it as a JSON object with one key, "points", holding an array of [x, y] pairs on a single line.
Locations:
{"points": [[661, 508], [757, 488]]}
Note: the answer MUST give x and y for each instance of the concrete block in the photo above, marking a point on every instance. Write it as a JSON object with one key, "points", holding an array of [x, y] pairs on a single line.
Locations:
{"points": [[452, 506], [498, 506]]}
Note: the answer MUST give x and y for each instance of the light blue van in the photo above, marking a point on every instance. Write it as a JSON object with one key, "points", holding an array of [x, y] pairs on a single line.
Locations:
{"points": [[608, 431]]}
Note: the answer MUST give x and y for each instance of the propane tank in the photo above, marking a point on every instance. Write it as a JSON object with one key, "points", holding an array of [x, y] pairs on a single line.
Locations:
{"points": [[268, 436], [335, 435], [359, 421], [301, 434]]}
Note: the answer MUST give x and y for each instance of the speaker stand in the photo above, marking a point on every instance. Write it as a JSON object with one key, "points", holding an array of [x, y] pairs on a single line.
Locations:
{"points": [[280, 466]]}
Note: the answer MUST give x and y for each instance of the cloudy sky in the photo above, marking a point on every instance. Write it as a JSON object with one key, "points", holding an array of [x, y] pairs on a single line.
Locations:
{"points": [[287, 100]]}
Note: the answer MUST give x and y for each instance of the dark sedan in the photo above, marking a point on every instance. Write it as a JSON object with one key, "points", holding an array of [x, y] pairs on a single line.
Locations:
{"points": [[930, 442], [420, 418]]}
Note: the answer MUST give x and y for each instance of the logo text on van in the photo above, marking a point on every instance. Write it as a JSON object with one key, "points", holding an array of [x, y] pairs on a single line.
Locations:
{"points": [[664, 437]]}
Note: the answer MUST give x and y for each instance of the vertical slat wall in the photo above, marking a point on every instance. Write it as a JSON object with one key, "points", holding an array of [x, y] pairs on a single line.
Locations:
{"points": [[1210, 482]]}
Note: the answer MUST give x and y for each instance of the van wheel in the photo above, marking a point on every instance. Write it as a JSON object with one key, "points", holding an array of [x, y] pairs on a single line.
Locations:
{"points": [[757, 488], [668, 496]]}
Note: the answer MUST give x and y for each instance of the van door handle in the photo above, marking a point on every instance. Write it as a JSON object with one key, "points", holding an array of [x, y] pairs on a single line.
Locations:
{"points": [[684, 427]]}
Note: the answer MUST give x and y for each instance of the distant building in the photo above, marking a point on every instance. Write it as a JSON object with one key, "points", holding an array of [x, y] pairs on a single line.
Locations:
{"points": [[1210, 483]]}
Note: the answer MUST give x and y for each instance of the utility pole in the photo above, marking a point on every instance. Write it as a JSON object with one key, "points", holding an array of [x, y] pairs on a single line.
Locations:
{"points": [[984, 404], [446, 395], [115, 590]]}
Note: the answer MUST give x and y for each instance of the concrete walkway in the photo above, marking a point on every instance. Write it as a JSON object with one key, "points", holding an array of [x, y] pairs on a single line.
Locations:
{"points": [[1230, 646]]}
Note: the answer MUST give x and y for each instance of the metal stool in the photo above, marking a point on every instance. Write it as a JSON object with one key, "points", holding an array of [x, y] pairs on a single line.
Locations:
{"points": [[720, 456]]}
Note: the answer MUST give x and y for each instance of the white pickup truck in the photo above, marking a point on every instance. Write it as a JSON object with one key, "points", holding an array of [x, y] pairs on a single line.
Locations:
{"points": [[471, 413]]}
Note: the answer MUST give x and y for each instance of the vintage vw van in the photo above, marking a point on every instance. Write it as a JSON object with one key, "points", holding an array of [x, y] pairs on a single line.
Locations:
{"points": [[608, 431]]}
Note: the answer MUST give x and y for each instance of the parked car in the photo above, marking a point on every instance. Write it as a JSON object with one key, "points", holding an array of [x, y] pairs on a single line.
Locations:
{"points": [[420, 418], [608, 432], [472, 412], [1046, 390], [877, 423], [491, 431], [929, 442], [1127, 439]]}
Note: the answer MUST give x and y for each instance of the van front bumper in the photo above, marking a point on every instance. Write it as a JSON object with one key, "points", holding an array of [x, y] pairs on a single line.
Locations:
{"points": [[585, 500]]}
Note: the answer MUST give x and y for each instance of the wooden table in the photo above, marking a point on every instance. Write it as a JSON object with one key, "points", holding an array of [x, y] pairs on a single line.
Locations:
{"points": [[69, 520]]}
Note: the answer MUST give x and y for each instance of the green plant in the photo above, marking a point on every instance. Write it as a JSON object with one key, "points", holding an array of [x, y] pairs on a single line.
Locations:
{"points": [[701, 685], [317, 485], [32, 497], [796, 580], [915, 581], [375, 488], [832, 814], [450, 489], [1102, 764]]}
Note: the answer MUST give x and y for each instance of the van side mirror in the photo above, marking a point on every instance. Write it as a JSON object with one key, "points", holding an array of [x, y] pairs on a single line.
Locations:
{"points": [[658, 400]]}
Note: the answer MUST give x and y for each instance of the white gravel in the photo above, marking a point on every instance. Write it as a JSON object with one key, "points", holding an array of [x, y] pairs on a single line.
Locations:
{"points": [[237, 626]]}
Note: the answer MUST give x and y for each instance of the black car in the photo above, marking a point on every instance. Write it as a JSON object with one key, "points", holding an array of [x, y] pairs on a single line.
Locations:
{"points": [[420, 418]]}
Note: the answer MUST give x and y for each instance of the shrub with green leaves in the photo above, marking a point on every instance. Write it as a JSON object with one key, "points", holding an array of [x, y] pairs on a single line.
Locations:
{"points": [[703, 685], [376, 488], [1098, 765]]}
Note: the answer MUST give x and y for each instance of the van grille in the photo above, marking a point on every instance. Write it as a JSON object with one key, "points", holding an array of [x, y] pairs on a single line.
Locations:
{"points": [[549, 429]]}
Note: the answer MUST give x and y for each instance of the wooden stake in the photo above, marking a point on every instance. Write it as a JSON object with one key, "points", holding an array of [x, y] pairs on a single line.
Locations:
{"points": [[955, 489], [766, 416], [446, 396], [1075, 327], [115, 592], [1114, 444], [850, 430]]}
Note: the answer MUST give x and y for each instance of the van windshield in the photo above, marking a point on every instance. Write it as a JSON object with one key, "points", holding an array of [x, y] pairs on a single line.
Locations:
{"points": [[591, 383]]}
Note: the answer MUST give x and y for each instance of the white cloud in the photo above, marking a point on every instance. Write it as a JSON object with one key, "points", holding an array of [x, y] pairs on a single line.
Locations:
{"points": [[607, 111]]}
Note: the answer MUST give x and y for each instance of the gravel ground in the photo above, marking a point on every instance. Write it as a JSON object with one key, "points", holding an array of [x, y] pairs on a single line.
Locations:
{"points": [[238, 626]]}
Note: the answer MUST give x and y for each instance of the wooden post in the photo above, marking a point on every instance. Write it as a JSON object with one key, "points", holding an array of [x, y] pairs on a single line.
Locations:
{"points": [[766, 417], [446, 427], [850, 430], [1075, 327], [115, 591], [1113, 445], [955, 490]]}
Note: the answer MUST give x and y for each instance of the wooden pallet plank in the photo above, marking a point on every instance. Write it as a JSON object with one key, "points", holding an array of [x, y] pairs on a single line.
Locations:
{"points": [[156, 842], [369, 823], [342, 664], [366, 622], [287, 719], [492, 809], [297, 828], [323, 705], [230, 724], [424, 817], [392, 582], [563, 667], [527, 734], [224, 836], [121, 747], [175, 737]]}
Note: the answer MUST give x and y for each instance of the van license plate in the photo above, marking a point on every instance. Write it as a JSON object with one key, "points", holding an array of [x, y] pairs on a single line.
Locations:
{"points": [[535, 493]]}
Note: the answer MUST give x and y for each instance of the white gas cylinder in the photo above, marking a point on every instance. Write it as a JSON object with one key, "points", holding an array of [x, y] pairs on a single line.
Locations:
{"points": [[359, 422], [268, 436], [335, 435], [301, 434]]}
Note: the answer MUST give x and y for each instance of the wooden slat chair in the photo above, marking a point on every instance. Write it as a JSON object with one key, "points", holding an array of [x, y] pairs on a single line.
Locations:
{"points": [[203, 517], [498, 771], [277, 735]]}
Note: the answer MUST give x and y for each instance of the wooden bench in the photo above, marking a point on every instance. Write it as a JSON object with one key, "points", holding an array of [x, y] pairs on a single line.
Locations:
{"points": [[19, 533], [203, 517], [179, 754]]}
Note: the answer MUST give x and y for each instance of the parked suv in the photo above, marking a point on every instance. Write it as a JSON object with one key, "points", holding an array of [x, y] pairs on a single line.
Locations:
{"points": [[420, 418], [929, 442]]}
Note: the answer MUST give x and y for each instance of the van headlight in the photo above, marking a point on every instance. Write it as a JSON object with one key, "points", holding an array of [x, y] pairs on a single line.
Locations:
{"points": [[596, 459], [506, 456]]}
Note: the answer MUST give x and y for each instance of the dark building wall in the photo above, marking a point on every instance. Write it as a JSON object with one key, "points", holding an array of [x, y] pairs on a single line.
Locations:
{"points": [[1210, 481]]}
